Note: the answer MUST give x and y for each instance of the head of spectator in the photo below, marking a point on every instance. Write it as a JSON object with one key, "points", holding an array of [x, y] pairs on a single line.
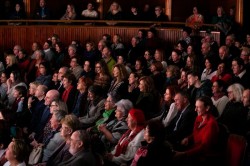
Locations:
{"points": [[22, 54], [62, 71], [44, 68], [80, 140], [146, 84], [205, 48], [194, 79], [3, 78], [176, 55], [10, 60], [32, 88], [209, 38], [110, 101], [58, 105], [70, 8], [41, 91], [133, 79], [223, 52], [122, 108], [87, 66], [158, 11], [69, 80], [235, 92], [134, 41], [101, 68], [230, 40], [42, 3], [106, 37], [90, 46], [95, 93], [151, 33], [83, 84], [245, 54], [186, 31], [16, 49], [172, 72], [148, 55], [72, 50], [56, 118], [181, 45], [237, 66], [120, 73], [101, 44], [135, 118], [140, 64], [35, 46], [142, 33], [159, 55], [70, 123], [210, 64], [55, 39], [218, 88], [50, 96], [47, 45], [181, 100], [59, 47], [246, 98], [74, 62], [114, 8], [117, 39], [39, 55], [220, 11], [156, 67], [169, 95], [106, 53], [204, 106], [15, 77]]}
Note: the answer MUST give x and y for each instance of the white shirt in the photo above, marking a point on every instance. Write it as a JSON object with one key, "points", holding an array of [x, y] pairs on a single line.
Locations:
{"points": [[20, 164]]}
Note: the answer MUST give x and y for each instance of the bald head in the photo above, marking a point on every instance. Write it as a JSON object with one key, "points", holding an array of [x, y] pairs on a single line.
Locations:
{"points": [[50, 96], [246, 98]]}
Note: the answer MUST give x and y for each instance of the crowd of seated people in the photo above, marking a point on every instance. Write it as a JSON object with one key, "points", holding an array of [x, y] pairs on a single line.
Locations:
{"points": [[109, 103]]}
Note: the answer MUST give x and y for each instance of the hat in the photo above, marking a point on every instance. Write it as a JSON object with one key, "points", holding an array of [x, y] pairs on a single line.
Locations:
{"points": [[125, 106], [137, 115]]}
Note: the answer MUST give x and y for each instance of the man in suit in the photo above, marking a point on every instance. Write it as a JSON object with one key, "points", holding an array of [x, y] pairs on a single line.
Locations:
{"points": [[42, 12], [182, 124], [80, 150]]}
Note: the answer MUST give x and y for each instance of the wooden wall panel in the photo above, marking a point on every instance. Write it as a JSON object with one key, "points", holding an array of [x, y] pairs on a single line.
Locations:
{"points": [[25, 35]]}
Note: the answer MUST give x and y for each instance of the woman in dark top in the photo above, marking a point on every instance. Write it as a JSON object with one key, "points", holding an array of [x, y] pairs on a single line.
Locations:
{"points": [[114, 12], [45, 77], [157, 75], [133, 89]]}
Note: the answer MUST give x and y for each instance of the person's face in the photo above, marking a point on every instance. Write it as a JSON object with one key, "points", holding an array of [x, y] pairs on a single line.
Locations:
{"points": [[147, 136], [32, 89], [98, 68], [7, 59], [21, 55], [158, 11], [183, 76], [88, 47], [248, 38], [150, 35], [179, 47], [90, 6], [244, 56], [9, 154], [167, 96], [34, 47], [65, 131], [108, 104], [229, 41], [73, 62], [157, 55], [66, 83], [236, 68], [195, 11], [81, 86], [131, 79], [61, 72], [3, 78], [46, 46], [200, 108], [221, 68], [42, 70], [16, 50], [116, 72], [100, 46], [191, 79], [147, 55], [12, 78], [184, 34], [133, 9], [86, 66], [208, 64], [246, 98], [18, 7], [74, 143], [57, 48], [131, 122], [38, 55], [152, 68], [105, 53], [222, 53], [120, 60], [179, 102], [133, 42], [42, 3], [71, 51], [55, 77], [230, 95], [207, 39], [53, 122], [169, 73], [91, 96], [175, 56], [39, 92], [118, 113], [204, 49], [114, 6], [189, 50], [69, 8], [48, 98], [219, 11], [188, 62], [142, 86], [138, 65], [140, 34], [215, 88], [53, 40], [53, 107], [16, 94], [115, 39]]}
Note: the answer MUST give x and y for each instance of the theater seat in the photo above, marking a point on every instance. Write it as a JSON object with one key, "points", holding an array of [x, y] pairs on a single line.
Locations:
{"points": [[236, 149]]}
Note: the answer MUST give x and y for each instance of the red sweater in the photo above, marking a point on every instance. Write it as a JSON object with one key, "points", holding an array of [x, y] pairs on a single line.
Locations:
{"points": [[204, 137]]}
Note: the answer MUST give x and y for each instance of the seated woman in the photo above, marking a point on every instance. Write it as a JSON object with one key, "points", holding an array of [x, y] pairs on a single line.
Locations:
{"points": [[133, 89], [102, 77], [95, 106], [89, 13], [111, 132], [196, 20], [154, 150], [114, 13], [209, 70], [70, 13], [17, 14], [203, 142], [45, 77], [130, 141], [16, 153]]}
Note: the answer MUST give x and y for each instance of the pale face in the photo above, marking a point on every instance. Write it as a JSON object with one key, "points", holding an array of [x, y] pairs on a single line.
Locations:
{"points": [[55, 77], [138, 65], [98, 68], [53, 122], [115, 39], [42, 3], [116, 72], [188, 62], [204, 49], [9, 152], [61, 72], [175, 56], [46, 46], [236, 68], [69, 8], [89, 6], [195, 11], [183, 76], [167, 96], [222, 53], [100, 46], [132, 79], [246, 98], [118, 113], [71, 52], [108, 105], [66, 83], [189, 50], [89, 47], [16, 94], [147, 136], [133, 41], [191, 79], [42, 70], [244, 56], [152, 68], [120, 60], [74, 143], [57, 48], [16, 50], [48, 98], [39, 92], [81, 86], [215, 88], [142, 86], [91, 96], [179, 101], [158, 11], [73, 62], [105, 53], [86, 66], [7, 59], [150, 35], [32, 89], [230, 95], [157, 55], [65, 131], [200, 108], [18, 7], [130, 121], [3, 78], [21, 55], [208, 64], [12, 78], [147, 55], [53, 40], [38, 55], [34, 47], [53, 107], [221, 68]]}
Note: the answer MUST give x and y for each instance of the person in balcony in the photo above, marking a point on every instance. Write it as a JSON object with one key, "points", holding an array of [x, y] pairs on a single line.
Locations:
{"points": [[17, 14], [70, 13], [196, 20], [90, 13], [42, 12], [114, 13]]}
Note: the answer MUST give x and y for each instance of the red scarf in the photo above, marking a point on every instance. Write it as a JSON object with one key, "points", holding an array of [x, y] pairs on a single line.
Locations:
{"points": [[126, 139], [66, 94]]}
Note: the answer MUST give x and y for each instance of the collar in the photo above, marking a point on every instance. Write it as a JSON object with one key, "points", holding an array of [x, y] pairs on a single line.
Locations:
{"points": [[242, 73], [47, 50]]}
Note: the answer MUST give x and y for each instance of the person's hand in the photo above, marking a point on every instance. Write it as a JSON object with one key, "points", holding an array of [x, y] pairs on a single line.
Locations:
{"points": [[34, 143], [32, 135], [102, 127], [184, 142], [8, 82]]}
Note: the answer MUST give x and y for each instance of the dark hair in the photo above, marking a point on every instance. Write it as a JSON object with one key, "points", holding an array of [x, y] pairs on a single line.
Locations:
{"points": [[207, 101], [46, 66], [158, 65], [96, 89], [156, 130], [21, 90], [49, 42], [17, 76], [71, 78]]}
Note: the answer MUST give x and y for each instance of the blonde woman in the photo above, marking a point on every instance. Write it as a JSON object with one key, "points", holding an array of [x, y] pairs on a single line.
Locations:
{"points": [[70, 13], [11, 64]]}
